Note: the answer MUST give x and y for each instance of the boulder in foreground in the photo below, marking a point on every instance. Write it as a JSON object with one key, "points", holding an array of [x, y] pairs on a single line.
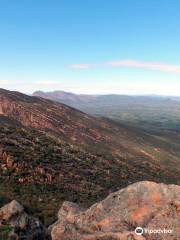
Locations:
{"points": [[151, 206], [16, 224]]}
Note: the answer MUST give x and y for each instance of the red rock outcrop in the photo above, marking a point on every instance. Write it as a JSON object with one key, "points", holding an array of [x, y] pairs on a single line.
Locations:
{"points": [[151, 206], [50, 116]]}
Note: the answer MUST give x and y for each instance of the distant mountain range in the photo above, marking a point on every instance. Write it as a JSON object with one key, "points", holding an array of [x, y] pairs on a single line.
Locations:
{"points": [[146, 111], [68, 97], [50, 152]]}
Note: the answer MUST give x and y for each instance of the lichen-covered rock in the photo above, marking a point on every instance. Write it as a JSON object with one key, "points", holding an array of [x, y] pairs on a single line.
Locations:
{"points": [[151, 206], [16, 224]]}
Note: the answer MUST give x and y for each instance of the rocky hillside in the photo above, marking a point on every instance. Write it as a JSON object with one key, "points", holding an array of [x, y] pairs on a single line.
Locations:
{"points": [[95, 134], [155, 208], [50, 152], [55, 118]]}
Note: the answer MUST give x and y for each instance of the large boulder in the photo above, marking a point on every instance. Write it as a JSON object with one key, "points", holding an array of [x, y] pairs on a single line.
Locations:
{"points": [[16, 224], [151, 206]]}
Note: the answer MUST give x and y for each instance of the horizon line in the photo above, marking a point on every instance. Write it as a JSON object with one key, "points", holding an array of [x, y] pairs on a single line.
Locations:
{"points": [[95, 94]]}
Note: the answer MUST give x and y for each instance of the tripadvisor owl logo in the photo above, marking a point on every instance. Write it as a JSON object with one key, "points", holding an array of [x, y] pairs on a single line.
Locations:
{"points": [[139, 231]]}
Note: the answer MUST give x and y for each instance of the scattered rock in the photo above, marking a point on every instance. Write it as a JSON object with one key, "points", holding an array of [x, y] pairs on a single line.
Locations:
{"points": [[16, 224], [152, 206]]}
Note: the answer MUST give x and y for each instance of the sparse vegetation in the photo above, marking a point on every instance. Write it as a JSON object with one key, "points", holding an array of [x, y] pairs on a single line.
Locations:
{"points": [[42, 168], [4, 231]]}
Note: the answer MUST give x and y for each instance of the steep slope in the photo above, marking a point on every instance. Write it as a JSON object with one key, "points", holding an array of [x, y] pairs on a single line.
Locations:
{"points": [[81, 129], [51, 153], [49, 116]]}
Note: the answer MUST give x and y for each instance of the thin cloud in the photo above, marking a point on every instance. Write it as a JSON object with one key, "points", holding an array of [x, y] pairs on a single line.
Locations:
{"points": [[145, 65], [154, 66]]}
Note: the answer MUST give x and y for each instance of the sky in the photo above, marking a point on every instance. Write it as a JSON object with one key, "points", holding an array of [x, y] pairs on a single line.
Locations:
{"points": [[90, 46]]}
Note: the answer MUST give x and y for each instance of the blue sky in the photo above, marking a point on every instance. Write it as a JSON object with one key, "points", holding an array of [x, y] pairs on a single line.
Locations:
{"points": [[90, 46]]}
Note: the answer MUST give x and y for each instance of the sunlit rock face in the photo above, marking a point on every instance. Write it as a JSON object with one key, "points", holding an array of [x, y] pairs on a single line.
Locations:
{"points": [[145, 204]]}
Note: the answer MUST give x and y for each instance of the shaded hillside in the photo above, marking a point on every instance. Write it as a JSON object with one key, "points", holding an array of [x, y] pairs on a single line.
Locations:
{"points": [[51, 153]]}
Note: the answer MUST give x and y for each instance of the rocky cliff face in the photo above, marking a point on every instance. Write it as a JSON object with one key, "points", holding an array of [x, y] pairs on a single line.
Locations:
{"points": [[151, 206]]}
